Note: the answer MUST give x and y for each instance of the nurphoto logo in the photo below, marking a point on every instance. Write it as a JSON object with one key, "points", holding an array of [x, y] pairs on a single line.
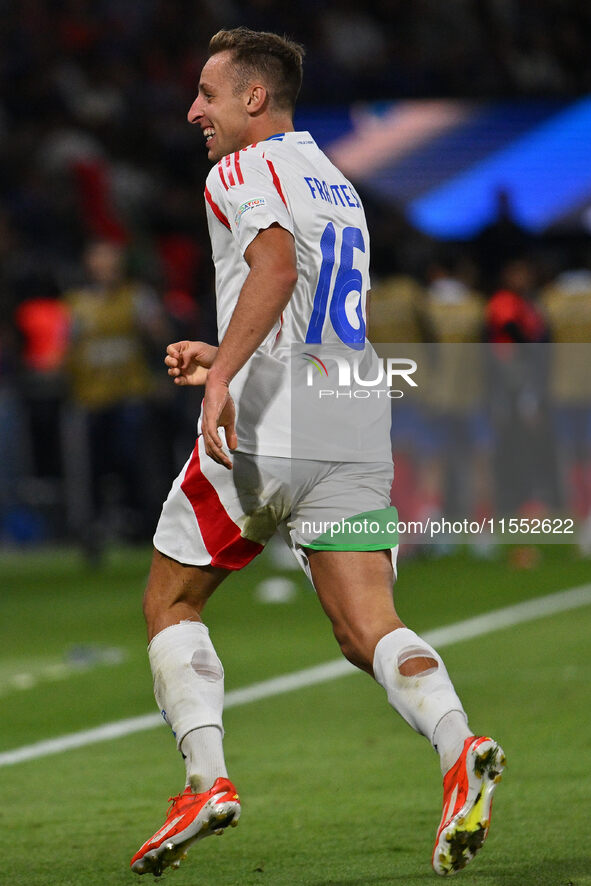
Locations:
{"points": [[352, 381]]}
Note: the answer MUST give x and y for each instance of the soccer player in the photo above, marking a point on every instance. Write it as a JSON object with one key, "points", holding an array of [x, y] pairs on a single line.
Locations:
{"points": [[291, 252]]}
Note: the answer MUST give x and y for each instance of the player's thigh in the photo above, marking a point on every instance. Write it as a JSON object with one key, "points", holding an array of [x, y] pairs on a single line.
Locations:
{"points": [[355, 591], [173, 586]]}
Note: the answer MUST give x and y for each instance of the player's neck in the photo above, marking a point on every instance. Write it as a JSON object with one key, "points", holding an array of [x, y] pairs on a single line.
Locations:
{"points": [[264, 128]]}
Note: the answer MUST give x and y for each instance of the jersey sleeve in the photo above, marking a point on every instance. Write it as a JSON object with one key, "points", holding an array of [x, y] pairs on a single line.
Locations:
{"points": [[247, 192]]}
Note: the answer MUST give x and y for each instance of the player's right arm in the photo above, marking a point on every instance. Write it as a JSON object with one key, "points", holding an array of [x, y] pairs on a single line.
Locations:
{"points": [[271, 258], [188, 361]]}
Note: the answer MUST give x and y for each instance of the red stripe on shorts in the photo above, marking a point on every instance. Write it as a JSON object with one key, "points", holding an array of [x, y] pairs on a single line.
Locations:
{"points": [[220, 534]]}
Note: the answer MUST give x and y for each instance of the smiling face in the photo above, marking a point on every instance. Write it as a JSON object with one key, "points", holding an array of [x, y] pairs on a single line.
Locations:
{"points": [[224, 113]]}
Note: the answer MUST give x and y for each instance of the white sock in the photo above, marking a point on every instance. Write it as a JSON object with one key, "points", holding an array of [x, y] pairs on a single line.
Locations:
{"points": [[204, 757], [425, 700], [189, 689], [448, 738]]}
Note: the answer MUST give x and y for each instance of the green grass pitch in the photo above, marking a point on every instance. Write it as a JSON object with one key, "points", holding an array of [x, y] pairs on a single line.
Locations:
{"points": [[336, 789]]}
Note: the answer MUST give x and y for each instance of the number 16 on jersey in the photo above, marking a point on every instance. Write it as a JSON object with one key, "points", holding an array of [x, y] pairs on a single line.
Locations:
{"points": [[347, 280]]}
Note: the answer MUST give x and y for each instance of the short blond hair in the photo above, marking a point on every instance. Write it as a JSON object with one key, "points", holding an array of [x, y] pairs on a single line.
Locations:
{"points": [[277, 60]]}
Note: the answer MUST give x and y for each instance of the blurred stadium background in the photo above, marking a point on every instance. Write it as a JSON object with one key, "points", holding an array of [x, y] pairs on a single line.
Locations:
{"points": [[466, 128]]}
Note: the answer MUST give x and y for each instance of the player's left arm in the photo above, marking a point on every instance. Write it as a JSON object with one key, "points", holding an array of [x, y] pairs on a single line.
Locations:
{"points": [[271, 258]]}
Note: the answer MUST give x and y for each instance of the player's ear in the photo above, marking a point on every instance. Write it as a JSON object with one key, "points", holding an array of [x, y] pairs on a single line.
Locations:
{"points": [[257, 99]]}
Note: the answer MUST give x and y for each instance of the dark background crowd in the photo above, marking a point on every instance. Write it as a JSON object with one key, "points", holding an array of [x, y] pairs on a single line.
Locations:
{"points": [[104, 253]]}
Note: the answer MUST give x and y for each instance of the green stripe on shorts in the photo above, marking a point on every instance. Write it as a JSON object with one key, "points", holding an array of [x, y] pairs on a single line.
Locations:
{"points": [[368, 531]]}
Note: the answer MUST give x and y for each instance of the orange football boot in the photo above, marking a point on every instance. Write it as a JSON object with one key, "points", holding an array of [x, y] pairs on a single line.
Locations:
{"points": [[190, 817], [468, 789]]}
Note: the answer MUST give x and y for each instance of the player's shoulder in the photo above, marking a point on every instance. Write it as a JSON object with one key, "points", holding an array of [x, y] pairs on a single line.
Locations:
{"points": [[295, 146], [283, 148], [234, 169], [275, 155]]}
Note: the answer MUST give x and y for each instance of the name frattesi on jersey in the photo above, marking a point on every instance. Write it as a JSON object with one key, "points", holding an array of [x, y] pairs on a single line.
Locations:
{"points": [[342, 195]]}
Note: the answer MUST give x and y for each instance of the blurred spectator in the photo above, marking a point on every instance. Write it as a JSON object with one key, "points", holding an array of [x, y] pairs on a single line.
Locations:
{"points": [[398, 311], [455, 310], [567, 301], [526, 476], [115, 325], [42, 321], [513, 313], [13, 462], [459, 433], [501, 241], [398, 317]]}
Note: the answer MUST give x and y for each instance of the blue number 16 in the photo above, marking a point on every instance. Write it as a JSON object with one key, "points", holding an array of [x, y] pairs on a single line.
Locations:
{"points": [[348, 279]]}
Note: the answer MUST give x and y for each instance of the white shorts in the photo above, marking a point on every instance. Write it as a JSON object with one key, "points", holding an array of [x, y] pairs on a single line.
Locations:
{"points": [[216, 517]]}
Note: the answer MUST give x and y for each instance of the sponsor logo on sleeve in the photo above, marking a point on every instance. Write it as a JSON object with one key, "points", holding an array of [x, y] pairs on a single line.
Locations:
{"points": [[244, 207]]}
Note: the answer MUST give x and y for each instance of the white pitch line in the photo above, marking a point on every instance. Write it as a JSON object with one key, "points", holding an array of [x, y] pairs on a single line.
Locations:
{"points": [[81, 661], [496, 620]]}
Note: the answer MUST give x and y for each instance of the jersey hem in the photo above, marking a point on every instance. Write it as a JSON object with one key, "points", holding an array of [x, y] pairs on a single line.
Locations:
{"points": [[314, 456]]}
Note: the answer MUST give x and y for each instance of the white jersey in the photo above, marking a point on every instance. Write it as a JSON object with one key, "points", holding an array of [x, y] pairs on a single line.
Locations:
{"points": [[289, 181]]}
